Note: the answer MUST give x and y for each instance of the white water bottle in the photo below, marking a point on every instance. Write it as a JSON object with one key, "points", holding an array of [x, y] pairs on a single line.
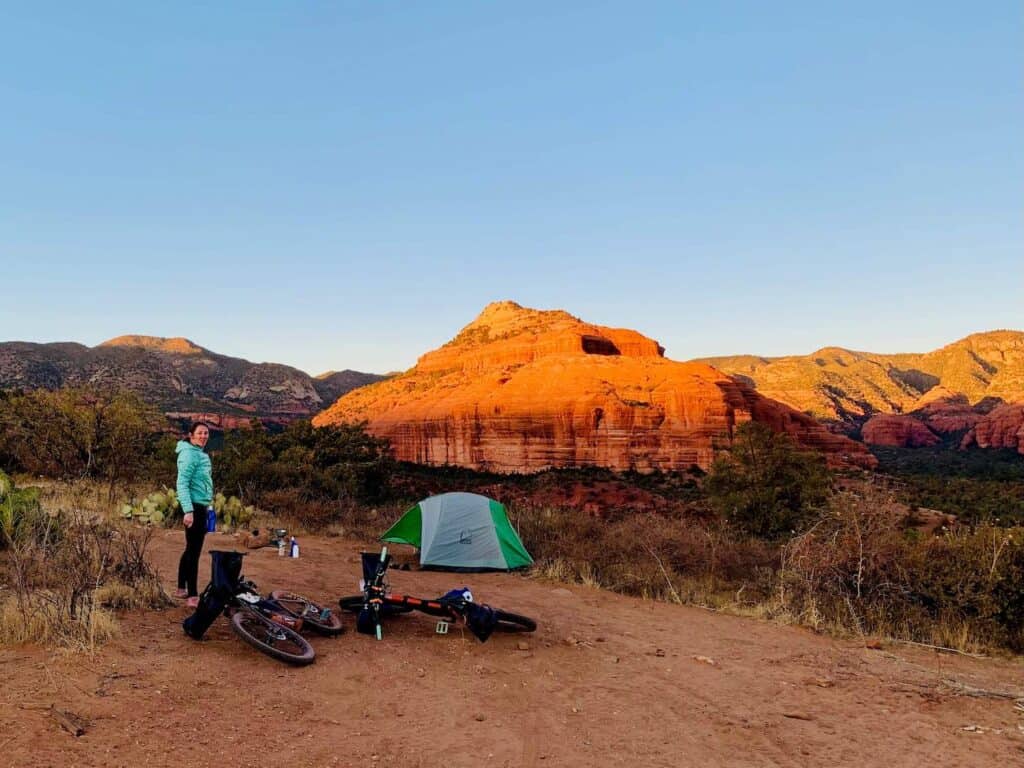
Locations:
{"points": [[294, 551]]}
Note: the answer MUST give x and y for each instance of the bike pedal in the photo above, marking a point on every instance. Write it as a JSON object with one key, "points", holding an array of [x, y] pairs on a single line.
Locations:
{"points": [[442, 627]]}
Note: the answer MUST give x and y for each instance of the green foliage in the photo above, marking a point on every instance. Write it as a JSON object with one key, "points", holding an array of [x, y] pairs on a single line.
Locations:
{"points": [[19, 509], [163, 508], [974, 576], [340, 464], [766, 486], [71, 433], [976, 485], [857, 568]]}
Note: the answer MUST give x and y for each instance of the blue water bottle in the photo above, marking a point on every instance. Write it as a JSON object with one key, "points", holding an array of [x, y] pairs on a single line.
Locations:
{"points": [[211, 520]]}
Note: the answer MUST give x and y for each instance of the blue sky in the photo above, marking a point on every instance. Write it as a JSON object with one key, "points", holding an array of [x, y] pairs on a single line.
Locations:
{"points": [[346, 184]]}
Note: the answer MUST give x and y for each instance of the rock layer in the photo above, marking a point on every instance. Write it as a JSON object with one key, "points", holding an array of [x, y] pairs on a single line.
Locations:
{"points": [[520, 390], [1003, 427], [898, 430]]}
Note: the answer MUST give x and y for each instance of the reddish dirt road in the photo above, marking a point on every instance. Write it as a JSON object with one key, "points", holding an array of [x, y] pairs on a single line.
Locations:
{"points": [[606, 681]]}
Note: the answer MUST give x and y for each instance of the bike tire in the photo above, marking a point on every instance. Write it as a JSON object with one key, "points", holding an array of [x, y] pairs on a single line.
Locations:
{"points": [[354, 604], [513, 622], [298, 606], [255, 628]]}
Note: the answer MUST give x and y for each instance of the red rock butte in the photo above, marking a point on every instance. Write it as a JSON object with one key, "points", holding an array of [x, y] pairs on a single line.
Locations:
{"points": [[520, 390]]}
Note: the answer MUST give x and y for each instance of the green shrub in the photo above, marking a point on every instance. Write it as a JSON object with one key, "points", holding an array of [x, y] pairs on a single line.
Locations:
{"points": [[765, 485], [305, 473], [19, 509], [856, 568]]}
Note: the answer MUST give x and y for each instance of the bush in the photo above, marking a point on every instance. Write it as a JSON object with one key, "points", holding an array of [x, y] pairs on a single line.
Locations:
{"points": [[856, 568], [62, 569], [71, 433], [664, 556], [765, 485], [308, 474]]}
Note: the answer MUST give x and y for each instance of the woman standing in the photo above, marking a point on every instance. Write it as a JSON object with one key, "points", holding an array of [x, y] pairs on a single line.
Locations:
{"points": [[195, 493]]}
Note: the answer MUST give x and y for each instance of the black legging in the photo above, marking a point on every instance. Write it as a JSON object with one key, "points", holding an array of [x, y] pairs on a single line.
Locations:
{"points": [[188, 566]]}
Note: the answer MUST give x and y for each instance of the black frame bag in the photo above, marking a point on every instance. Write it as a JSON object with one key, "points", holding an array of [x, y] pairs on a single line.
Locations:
{"points": [[225, 573]]}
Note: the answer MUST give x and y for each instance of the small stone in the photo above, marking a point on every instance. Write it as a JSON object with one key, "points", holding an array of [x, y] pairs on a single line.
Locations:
{"points": [[421, 672], [522, 646], [480, 718], [659, 653], [706, 660]]}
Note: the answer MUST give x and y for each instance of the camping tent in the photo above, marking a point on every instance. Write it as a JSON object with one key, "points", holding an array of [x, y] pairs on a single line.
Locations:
{"points": [[461, 531]]}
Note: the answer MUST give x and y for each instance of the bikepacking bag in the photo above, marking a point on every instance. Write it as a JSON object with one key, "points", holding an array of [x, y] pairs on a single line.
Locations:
{"points": [[226, 569], [364, 622], [481, 620], [225, 572], [211, 605], [371, 561]]}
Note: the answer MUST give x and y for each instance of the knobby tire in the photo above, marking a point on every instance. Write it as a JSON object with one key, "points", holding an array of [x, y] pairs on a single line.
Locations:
{"points": [[252, 627]]}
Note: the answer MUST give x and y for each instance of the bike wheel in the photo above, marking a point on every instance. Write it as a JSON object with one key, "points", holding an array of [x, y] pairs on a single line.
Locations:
{"points": [[513, 622], [271, 638], [311, 613], [354, 604]]}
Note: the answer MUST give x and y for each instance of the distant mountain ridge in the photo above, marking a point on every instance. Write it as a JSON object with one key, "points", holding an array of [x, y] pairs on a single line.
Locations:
{"points": [[179, 377], [968, 393], [849, 387]]}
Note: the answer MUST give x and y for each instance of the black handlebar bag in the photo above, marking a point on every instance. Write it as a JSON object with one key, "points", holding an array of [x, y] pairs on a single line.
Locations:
{"points": [[371, 563], [225, 573]]}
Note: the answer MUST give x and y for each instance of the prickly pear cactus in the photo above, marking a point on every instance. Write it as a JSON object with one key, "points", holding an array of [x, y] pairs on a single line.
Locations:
{"points": [[6, 486]]}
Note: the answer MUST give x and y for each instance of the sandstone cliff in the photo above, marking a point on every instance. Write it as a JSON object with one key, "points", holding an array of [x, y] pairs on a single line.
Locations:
{"points": [[521, 389], [899, 430], [1003, 427]]}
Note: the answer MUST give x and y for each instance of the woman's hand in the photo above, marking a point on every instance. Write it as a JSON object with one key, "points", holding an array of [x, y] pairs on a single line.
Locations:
{"points": [[188, 519]]}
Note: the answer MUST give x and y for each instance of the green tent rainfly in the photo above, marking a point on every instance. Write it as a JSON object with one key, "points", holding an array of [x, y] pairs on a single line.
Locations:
{"points": [[461, 531]]}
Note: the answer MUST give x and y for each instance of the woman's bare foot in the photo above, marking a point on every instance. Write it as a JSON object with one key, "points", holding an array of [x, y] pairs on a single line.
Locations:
{"points": [[179, 592], [192, 602]]}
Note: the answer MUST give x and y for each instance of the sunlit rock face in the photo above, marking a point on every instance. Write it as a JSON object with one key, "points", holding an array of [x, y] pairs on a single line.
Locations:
{"points": [[847, 387], [898, 430], [1002, 427], [520, 389]]}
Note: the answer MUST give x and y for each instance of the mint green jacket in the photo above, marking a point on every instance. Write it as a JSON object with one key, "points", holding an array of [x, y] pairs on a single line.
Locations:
{"points": [[195, 476]]}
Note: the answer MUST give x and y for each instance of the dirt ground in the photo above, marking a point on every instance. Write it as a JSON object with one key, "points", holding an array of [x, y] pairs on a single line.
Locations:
{"points": [[605, 681]]}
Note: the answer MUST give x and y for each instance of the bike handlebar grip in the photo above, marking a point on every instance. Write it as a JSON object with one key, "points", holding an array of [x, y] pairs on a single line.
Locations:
{"points": [[383, 553]]}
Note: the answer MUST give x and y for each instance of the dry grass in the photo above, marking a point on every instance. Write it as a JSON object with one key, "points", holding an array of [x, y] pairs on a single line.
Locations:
{"points": [[41, 619], [856, 571], [68, 567]]}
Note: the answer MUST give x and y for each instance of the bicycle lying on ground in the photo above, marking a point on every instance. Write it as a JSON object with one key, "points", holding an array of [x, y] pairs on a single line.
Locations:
{"points": [[317, 617], [268, 625], [376, 602]]}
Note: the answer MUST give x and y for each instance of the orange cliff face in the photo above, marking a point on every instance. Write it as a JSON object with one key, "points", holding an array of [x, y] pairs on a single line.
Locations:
{"points": [[520, 390], [898, 430], [1002, 427]]}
